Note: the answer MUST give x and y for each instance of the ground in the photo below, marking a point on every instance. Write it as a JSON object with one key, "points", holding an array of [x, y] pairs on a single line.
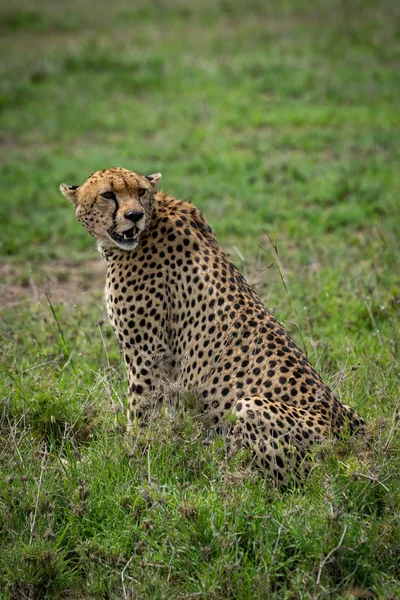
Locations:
{"points": [[66, 282], [281, 124]]}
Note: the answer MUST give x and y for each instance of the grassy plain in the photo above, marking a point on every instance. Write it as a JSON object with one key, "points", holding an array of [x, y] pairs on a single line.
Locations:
{"points": [[281, 122]]}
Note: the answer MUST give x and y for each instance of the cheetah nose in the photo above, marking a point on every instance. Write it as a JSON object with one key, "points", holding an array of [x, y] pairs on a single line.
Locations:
{"points": [[134, 215]]}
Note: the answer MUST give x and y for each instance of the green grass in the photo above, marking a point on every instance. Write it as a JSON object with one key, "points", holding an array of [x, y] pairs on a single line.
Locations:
{"points": [[280, 121]]}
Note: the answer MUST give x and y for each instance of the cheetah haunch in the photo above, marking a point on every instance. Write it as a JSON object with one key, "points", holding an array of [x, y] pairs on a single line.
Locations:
{"points": [[182, 311]]}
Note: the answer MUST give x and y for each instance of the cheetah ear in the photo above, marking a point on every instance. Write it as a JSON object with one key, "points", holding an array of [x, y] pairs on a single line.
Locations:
{"points": [[70, 192], [154, 179]]}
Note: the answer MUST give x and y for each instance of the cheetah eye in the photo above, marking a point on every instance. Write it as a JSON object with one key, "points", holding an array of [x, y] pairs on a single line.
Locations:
{"points": [[109, 196], [141, 192]]}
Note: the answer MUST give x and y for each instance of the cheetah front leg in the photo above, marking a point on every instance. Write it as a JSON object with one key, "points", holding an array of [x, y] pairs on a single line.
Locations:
{"points": [[147, 374], [145, 396]]}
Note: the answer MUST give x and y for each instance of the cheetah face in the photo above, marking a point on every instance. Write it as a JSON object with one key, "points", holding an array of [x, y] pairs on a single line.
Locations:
{"points": [[115, 205]]}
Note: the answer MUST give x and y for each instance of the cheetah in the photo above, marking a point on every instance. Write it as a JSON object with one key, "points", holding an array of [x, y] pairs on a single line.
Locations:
{"points": [[181, 311]]}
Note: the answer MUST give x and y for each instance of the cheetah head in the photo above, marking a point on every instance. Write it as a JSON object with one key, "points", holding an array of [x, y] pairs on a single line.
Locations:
{"points": [[115, 205]]}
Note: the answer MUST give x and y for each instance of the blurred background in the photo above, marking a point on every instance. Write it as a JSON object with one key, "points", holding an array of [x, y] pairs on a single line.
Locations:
{"points": [[261, 113], [278, 118]]}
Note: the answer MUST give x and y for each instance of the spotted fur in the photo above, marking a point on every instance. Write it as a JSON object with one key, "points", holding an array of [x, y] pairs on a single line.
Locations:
{"points": [[182, 312]]}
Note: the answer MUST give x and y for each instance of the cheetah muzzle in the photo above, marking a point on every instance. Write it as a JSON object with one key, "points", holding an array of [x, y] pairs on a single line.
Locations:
{"points": [[183, 313], [127, 240]]}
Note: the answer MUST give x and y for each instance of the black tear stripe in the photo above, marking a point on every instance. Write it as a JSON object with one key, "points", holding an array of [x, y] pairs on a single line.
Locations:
{"points": [[114, 216], [114, 223]]}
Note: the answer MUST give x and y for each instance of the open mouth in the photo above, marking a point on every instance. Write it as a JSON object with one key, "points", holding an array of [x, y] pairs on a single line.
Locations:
{"points": [[127, 239]]}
